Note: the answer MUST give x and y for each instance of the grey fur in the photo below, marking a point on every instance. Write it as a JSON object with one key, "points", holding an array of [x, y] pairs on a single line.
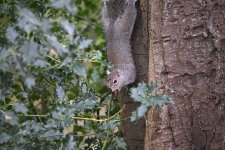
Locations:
{"points": [[119, 17]]}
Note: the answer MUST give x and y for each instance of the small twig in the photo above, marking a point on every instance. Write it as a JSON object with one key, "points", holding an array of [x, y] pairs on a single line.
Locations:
{"points": [[47, 80], [99, 120], [54, 59], [34, 115]]}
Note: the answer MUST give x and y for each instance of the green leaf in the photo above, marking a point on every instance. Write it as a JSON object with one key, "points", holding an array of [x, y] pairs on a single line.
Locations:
{"points": [[162, 100], [97, 56], [60, 3], [28, 20], [60, 92], [70, 144], [134, 116], [85, 104], [64, 4], [143, 93], [79, 70], [84, 88], [110, 125], [71, 8], [31, 127], [20, 108], [29, 51], [139, 93], [28, 16], [30, 82], [24, 94], [4, 53], [52, 135], [95, 76], [51, 123], [59, 47], [139, 113], [46, 25], [68, 27], [134, 94], [142, 110], [152, 86], [40, 63], [85, 43], [67, 61], [4, 138], [4, 57], [11, 34], [120, 142]]}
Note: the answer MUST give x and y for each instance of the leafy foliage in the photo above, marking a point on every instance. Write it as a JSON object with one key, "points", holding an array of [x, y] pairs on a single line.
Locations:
{"points": [[147, 96], [52, 68]]}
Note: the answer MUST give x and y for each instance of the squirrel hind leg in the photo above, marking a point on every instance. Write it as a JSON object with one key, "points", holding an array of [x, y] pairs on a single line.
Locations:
{"points": [[126, 19]]}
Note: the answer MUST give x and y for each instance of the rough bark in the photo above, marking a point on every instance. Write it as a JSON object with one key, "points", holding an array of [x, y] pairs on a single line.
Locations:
{"points": [[187, 57], [134, 133]]}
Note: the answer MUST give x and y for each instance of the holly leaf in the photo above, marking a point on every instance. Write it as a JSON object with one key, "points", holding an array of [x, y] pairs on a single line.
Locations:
{"points": [[134, 116], [79, 70], [4, 138], [142, 110], [68, 27], [60, 3], [53, 41], [84, 88], [139, 92], [20, 108], [60, 92], [30, 82], [121, 143], [85, 43], [40, 63], [52, 135], [11, 34], [70, 144], [29, 51]]}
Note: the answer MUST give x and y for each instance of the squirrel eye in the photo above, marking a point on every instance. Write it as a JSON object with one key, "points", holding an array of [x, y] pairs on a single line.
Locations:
{"points": [[115, 81]]}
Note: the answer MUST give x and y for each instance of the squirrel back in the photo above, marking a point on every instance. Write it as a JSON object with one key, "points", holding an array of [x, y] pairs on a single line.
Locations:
{"points": [[119, 17]]}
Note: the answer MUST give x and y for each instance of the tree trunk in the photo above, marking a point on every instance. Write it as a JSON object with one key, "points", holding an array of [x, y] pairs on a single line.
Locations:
{"points": [[187, 58]]}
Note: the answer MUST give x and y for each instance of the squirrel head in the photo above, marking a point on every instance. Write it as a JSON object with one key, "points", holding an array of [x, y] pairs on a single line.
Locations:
{"points": [[115, 80]]}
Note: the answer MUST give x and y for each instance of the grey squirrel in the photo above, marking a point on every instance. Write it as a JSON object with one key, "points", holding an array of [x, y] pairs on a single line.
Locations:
{"points": [[118, 18]]}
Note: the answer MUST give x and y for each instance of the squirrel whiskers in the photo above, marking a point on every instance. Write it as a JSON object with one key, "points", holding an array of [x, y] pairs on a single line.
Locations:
{"points": [[119, 17]]}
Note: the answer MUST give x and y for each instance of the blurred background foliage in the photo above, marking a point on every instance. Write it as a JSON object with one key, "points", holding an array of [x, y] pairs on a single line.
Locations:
{"points": [[52, 70]]}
